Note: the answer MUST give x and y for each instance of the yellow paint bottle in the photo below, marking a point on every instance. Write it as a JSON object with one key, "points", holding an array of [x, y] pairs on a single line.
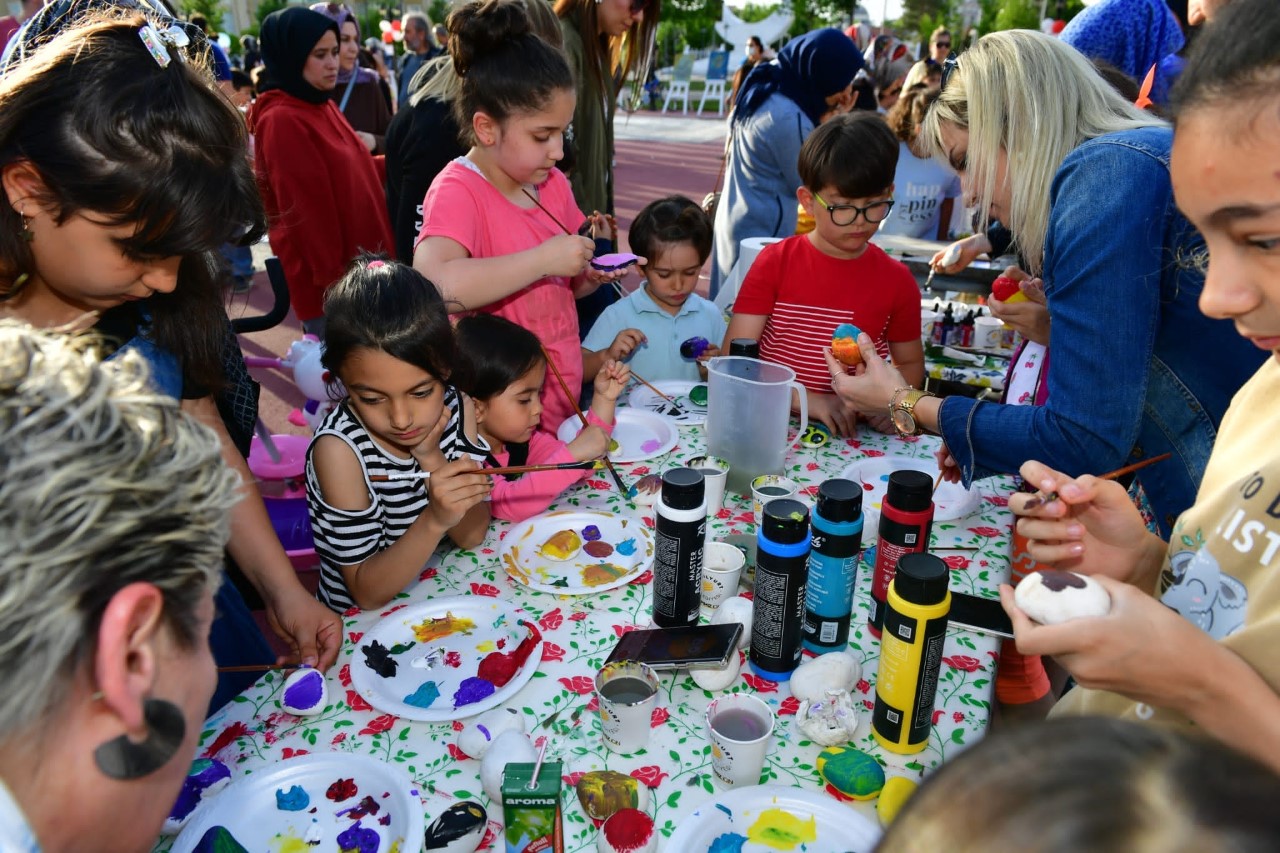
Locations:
{"points": [[915, 627]]}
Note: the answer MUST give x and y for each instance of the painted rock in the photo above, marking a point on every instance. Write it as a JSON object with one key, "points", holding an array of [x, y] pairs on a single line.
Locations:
{"points": [[736, 609], [459, 829], [895, 794], [603, 792], [218, 840], [562, 545], [478, 735], [305, 693], [693, 347], [844, 344], [832, 671], [698, 395], [850, 773], [1007, 290], [645, 491], [206, 777], [716, 680], [1051, 597], [510, 747], [627, 831], [614, 261]]}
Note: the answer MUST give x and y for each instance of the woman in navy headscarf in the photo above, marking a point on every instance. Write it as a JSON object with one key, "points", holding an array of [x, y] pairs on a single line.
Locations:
{"points": [[779, 104], [1134, 36]]}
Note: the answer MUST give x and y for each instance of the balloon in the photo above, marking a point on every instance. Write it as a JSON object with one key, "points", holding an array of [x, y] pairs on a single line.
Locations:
{"points": [[384, 26], [388, 37]]}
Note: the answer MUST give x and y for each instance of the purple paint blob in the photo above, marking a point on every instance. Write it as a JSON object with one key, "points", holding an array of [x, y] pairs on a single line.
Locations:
{"points": [[591, 533], [651, 445], [358, 838], [306, 691], [484, 730], [205, 773], [472, 690]]}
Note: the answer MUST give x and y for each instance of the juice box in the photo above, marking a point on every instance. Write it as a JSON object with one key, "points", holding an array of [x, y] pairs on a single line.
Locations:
{"points": [[531, 815]]}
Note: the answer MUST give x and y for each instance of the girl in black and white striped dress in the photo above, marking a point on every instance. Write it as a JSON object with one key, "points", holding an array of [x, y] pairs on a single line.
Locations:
{"points": [[375, 514]]}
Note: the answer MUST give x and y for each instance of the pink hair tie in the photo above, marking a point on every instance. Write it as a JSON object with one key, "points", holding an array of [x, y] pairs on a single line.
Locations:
{"points": [[373, 265]]}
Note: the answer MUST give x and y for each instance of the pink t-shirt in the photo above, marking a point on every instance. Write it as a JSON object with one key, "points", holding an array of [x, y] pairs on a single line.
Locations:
{"points": [[463, 206]]}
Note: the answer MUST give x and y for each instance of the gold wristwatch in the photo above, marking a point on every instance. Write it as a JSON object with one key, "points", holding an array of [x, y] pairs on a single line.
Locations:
{"points": [[902, 410]]}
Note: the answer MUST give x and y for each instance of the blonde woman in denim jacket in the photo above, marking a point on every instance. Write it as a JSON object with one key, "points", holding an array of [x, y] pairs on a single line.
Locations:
{"points": [[1082, 177]]}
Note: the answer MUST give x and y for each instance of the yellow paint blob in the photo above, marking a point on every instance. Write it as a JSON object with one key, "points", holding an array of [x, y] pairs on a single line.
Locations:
{"points": [[443, 626], [291, 844], [601, 573], [782, 830], [486, 646]]}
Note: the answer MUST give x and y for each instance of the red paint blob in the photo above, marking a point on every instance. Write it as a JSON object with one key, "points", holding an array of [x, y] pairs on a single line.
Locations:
{"points": [[628, 829], [500, 667], [342, 789]]}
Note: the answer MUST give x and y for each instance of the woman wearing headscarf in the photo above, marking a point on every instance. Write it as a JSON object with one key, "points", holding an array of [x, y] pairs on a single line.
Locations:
{"points": [[1132, 35], [322, 189], [779, 105], [359, 90]]}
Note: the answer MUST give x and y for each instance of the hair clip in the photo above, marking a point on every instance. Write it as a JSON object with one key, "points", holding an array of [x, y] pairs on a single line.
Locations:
{"points": [[373, 265], [158, 41]]}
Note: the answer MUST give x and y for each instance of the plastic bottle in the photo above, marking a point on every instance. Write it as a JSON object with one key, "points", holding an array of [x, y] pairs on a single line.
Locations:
{"points": [[745, 347], [915, 628], [942, 329], [782, 570], [833, 566], [906, 520], [965, 335], [678, 545]]}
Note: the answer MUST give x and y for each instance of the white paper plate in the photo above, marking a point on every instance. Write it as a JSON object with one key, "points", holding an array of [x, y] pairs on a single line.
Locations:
{"points": [[950, 501], [483, 625], [581, 574], [247, 807], [689, 412], [823, 824], [640, 435]]}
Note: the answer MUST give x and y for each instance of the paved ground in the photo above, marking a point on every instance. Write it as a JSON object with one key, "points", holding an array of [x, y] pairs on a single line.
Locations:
{"points": [[657, 155]]}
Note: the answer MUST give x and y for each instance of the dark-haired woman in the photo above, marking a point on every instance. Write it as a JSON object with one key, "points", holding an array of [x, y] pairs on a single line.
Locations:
{"points": [[359, 91], [321, 187], [121, 220], [493, 235]]}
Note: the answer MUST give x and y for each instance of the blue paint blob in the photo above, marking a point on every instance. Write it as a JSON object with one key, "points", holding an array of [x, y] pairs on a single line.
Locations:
{"points": [[728, 811], [846, 330], [205, 773], [472, 690], [730, 842], [293, 800], [306, 691], [626, 547], [356, 837], [426, 694]]}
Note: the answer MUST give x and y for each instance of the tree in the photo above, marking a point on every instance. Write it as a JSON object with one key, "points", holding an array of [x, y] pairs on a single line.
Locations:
{"points": [[1018, 15], [266, 7], [212, 10], [814, 14]]}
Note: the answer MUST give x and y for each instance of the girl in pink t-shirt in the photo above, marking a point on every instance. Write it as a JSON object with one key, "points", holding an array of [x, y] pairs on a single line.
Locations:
{"points": [[500, 225]]}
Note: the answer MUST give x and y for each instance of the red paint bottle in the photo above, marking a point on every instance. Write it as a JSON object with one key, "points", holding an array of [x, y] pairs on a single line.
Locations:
{"points": [[906, 519]]}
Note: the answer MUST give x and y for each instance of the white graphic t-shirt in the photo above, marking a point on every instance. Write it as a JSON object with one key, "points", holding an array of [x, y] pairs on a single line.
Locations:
{"points": [[919, 188]]}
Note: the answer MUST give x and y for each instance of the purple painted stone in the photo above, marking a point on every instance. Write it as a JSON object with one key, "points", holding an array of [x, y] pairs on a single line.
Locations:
{"points": [[304, 692], [472, 690], [615, 261]]}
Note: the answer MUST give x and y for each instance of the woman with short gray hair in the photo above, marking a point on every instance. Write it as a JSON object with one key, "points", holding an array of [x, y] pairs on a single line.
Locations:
{"points": [[113, 513]]}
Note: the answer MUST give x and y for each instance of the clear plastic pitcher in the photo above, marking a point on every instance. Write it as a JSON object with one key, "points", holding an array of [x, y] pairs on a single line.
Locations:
{"points": [[748, 411]]}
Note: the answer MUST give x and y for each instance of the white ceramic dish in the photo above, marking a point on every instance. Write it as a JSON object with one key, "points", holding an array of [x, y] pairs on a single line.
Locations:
{"points": [[582, 573], [248, 808], [443, 643], [817, 823], [640, 434]]}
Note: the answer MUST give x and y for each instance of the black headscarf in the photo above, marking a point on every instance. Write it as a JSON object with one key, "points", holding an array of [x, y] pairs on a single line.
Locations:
{"points": [[287, 39]]}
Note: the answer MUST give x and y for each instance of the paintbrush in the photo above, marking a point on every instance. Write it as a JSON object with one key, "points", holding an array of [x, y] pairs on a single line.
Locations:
{"points": [[512, 469], [259, 667], [646, 383], [533, 198], [573, 401], [1040, 500]]}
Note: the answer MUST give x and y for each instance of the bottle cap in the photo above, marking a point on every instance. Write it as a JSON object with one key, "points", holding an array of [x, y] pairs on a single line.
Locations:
{"points": [[921, 578], [746, 347], [683, 488], [840, 501], [786, 521], [909, 491]]}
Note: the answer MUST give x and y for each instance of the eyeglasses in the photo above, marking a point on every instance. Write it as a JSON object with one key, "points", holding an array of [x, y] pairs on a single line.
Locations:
{"points": [[843, 215], [948, 68], [945, 44]]}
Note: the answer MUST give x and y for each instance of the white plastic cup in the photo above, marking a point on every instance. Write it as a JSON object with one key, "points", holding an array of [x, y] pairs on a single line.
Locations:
{"points": [[722, 565], [624, 719], [987, 332], [738, 750], [715, 474], [770, 487]]}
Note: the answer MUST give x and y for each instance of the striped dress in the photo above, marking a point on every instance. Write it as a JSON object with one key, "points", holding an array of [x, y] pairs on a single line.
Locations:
{"points": [[345, 538]]}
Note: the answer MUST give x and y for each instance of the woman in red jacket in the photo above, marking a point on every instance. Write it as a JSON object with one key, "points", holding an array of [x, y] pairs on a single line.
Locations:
{"points": [[322, 189]]}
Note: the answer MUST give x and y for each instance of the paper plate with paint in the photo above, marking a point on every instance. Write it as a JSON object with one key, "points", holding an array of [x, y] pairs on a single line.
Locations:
{"points": [[577, 553], [321, 801], [448, 659], [771, 818], [638, 434], [950, 501], [691, 401]]}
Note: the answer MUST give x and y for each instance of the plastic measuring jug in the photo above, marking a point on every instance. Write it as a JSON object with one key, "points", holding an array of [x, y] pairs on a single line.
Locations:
{"points": [[748, 411]]}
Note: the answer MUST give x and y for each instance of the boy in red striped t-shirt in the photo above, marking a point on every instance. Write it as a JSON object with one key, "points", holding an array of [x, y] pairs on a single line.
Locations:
{"points": [[800, 289]]}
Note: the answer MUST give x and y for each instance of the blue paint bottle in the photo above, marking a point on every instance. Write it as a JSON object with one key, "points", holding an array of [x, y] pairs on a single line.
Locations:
{"points": [[833, 566], [782, 571]]}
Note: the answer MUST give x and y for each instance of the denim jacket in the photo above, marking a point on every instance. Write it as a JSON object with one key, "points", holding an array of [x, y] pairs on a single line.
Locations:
{"points": [[1137, 370]]}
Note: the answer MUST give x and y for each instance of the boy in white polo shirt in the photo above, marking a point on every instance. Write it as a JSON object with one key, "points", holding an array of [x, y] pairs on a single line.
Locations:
{"points": [[647, 328]]}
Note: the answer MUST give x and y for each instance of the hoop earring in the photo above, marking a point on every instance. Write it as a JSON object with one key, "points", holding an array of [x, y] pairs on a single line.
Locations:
{"points": [[121, 758]]}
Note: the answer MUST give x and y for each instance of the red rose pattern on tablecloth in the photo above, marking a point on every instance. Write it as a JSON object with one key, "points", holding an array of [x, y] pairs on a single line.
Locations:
{"points": [[551, 620], [379, 724], [356, 702], [457, 754], [651, 775], [427, 573], [485, 589], [355, 636], [789, 706], [985, 531], [577, 617], [658, 717], [580, 684], [344, 675], [551, 651], [643, 578], [955, 561], [964, 663], [760, 685]]}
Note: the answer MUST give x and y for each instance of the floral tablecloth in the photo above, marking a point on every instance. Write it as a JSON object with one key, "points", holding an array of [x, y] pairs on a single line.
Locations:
{"points": [[580, 631]]}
